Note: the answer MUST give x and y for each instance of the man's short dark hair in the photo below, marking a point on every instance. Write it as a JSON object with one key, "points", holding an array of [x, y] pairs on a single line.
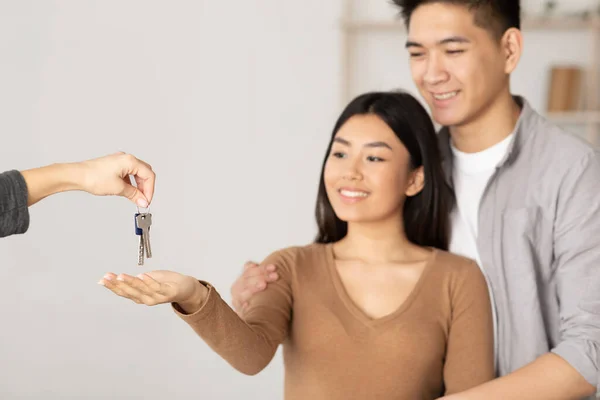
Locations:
{"points": [[497, 16]]}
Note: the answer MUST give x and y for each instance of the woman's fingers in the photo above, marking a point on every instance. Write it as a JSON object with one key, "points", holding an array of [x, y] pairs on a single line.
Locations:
{"points": [[114, 286], [131, 288], [107, 282], [152, 288], [151, 284]]}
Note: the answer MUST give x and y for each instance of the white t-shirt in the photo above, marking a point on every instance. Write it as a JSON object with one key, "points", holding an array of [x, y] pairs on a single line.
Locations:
{"points": [[471, 173]]}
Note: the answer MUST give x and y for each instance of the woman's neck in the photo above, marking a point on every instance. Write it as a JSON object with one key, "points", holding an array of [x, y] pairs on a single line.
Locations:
{"points": [[376, 243]]}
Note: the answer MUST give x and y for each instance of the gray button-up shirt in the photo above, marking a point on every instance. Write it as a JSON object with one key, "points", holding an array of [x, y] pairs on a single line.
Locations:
{"points": [[539, 244]]}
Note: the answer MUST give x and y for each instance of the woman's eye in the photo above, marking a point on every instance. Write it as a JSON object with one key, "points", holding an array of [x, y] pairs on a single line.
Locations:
{"points": [[374, 159], [338, 154]]}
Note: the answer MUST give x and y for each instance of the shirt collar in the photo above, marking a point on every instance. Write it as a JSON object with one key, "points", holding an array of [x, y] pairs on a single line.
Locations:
{"points": [[524, 129]]}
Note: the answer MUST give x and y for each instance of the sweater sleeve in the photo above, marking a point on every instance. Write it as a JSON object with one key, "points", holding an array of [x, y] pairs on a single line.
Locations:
{"points": [[470, 349], [248, 344], [14, 213]]}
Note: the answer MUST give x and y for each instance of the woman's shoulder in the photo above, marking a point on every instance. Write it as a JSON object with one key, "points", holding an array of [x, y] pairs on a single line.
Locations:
{"points": [[457, 266], [461, 277], [295, 255]]}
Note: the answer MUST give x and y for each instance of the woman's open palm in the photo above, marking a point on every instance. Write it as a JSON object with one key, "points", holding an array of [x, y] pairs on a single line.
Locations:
{"points": [[151, 288]]}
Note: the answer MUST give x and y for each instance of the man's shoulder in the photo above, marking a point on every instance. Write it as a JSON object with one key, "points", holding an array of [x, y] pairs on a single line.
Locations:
{"points": [[553, 146]]}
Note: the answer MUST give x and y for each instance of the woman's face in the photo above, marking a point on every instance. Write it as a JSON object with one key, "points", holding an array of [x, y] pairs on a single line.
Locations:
{"points": [[368, 174]]}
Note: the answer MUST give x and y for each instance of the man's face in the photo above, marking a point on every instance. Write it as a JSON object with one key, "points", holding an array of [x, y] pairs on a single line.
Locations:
{"points": [[458, 67]]}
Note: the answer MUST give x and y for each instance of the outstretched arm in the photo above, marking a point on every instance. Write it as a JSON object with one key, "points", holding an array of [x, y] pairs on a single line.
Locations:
{"points": [[248, 345], [103, 176]]}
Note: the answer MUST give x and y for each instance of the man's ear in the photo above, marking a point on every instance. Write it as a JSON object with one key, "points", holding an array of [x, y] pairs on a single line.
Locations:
{"points": [[416, 182], [512, 45]]}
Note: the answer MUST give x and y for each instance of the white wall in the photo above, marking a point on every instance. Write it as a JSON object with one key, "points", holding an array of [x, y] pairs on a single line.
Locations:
{"points": [[233, 103]]}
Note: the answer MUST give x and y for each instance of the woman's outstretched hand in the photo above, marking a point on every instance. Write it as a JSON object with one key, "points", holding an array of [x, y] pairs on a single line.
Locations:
{"points": [[158, 287]]}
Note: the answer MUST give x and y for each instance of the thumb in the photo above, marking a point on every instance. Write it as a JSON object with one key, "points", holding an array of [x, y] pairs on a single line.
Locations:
{"points": [[133, 194]]}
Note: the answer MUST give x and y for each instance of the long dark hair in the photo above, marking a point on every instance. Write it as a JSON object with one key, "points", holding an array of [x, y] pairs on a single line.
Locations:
{"points": [[427, 214]]}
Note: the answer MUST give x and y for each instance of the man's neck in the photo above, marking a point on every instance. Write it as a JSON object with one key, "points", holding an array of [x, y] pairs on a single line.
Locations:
{"points": [[495, 124]]}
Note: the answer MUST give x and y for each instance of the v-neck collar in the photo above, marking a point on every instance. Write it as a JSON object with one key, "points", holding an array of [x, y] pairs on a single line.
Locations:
{"points": [[358, 312]]}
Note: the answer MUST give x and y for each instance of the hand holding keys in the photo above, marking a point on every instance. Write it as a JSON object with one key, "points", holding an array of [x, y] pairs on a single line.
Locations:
{"points": [[143, 221]]}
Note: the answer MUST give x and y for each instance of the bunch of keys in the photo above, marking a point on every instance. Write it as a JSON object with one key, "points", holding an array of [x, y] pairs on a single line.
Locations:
{"points": [[143, 221]]}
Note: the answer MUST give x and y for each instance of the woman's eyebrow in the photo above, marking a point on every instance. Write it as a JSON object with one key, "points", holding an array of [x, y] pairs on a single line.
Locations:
{"points": [[372, 144]]}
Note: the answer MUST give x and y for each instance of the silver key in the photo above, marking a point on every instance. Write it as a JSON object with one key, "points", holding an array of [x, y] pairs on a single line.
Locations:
{"points": [[140, 234], [141, 250], [144, 222]]}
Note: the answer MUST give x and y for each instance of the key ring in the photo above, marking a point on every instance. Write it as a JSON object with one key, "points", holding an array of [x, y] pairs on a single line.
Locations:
{"points": [[147, 209]]}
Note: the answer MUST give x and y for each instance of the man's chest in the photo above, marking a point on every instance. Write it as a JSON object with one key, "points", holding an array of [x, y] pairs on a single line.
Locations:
{"points": [[464, 218]]}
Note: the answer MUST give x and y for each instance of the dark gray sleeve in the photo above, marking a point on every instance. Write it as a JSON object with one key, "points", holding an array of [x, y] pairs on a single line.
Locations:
{"points": [[14, 213]]}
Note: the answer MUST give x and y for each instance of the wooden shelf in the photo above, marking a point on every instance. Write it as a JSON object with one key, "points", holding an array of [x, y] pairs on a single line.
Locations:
{"points": [[575, 117], [532, 23]]}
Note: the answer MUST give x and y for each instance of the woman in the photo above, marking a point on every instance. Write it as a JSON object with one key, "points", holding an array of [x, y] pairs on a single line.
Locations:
{"points": [[375, 308]]}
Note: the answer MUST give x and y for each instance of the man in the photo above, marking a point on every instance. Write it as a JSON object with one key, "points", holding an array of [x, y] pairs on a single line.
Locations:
{"points": [[102, 176], [528, 201]]}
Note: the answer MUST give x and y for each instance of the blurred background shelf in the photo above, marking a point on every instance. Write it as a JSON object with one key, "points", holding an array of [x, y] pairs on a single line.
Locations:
{"points": [[529, 23], [574, 117]]}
